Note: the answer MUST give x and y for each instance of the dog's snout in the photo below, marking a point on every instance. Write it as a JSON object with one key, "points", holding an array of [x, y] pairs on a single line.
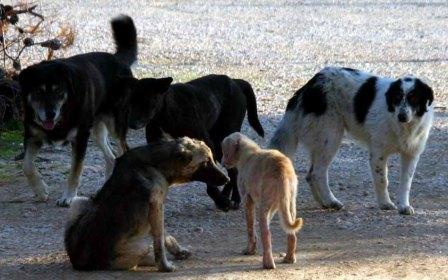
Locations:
{"points": [[402, 117]]}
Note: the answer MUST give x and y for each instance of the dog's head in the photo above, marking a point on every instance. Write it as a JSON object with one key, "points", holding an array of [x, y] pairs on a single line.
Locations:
{"points": [[199, 164], [45, 88], [408, 98], [233, 146], [145, 99]]}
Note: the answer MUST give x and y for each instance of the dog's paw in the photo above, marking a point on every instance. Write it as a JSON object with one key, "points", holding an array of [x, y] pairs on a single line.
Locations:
{"points": [[336, 205], [183, 254], [388, 206], [223, 204], [249, 251], [64, 201], [167, 267], [289, 259], [269, 264], [42, 196], [406, 210], [234, 205]]}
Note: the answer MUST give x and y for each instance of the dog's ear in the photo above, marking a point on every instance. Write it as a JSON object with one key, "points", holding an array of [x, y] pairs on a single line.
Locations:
{"points": [[425, 97], [166, 136], [163, 84]]}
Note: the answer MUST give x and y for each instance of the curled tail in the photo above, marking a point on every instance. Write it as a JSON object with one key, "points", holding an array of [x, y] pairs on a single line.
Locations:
{"points": [[287, 209], [125, 36], [252, 115]]}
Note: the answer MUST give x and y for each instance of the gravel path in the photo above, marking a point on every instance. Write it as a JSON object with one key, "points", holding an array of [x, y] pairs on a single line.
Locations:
{"points": [[277, 46]]}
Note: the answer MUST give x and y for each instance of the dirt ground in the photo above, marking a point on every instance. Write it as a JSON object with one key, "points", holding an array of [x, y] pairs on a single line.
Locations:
{"points": [[277, 46]]}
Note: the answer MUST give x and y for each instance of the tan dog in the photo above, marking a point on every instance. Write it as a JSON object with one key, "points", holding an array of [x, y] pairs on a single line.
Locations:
{"points": [[266, 178]]}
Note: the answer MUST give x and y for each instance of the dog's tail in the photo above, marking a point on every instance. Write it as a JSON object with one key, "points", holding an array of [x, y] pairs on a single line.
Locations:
{"points": [[304, 101], [125, 36], [287, 209], [252, 115]]}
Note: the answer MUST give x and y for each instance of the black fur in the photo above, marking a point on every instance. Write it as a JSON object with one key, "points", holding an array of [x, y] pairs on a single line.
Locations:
{"points": [[364, 99], [125, 36], [313, 99], [420, 97], [394, 95], [208, 108]]}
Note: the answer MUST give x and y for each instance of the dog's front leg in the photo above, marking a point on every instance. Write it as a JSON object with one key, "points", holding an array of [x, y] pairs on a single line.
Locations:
{"points": [[408, 165], [156, 218], [78, 153], [39, 187], [378, 167]]}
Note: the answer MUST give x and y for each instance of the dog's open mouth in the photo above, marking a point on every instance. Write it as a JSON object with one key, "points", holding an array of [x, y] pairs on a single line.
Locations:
{"points": [[48, 124]]}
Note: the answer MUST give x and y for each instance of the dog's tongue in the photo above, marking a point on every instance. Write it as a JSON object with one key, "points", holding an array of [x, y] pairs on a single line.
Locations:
{"points": [[48, 125]]}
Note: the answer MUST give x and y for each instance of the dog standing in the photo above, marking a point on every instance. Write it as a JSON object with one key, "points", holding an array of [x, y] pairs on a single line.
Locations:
{"points": [[266, 178], [388, 116], [64, 98], [208, 108], [108, 232]]}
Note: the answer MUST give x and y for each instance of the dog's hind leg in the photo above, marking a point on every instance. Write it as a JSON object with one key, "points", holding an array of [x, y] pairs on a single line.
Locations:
{"points": [[250, 223], [35, 181], [79, 148], [322, 153], [175, 249], [408, 165], [378, 167], [265, 218], [101, 138]]}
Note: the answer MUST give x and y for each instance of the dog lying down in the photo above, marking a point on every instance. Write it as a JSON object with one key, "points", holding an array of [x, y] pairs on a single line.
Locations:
{"points": [[109, 230], [266, 178]]}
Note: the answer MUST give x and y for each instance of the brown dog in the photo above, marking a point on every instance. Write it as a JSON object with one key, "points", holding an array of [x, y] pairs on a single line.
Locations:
{"points": [[109, 231], [265, 178]]}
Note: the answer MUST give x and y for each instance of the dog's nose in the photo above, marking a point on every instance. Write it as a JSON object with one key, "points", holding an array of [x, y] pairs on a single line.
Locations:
{"points": [[50, 114], [402, 117]]}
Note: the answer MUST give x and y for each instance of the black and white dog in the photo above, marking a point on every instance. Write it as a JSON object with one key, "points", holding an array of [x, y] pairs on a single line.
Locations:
{"points": [[388, 116], [64, 98]]}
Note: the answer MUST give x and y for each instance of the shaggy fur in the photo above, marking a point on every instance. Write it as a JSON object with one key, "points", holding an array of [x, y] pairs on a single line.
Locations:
{"points": [[266, 179], [109, 231], [208, 108], [387, 116], [64, 98]]}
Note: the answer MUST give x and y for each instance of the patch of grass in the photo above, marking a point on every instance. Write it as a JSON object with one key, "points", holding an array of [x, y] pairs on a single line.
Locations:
{"points": [[11, 140]]}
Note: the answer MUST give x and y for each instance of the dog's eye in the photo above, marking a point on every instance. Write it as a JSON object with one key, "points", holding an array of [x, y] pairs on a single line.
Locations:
{"points": [[413, 99]]}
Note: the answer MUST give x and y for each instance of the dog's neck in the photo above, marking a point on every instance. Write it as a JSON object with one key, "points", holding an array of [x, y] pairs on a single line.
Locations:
{"points": [[246, 151]]}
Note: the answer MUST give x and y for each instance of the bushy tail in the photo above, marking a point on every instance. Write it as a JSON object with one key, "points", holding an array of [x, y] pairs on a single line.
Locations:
{"points": [[125, 36], [286, 137], [287, 210], [252, 115]]}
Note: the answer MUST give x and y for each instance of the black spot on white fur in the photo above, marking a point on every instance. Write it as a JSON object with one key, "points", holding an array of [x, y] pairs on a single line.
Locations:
{"points": [[312, 97], [354, 71], [364, 98]]}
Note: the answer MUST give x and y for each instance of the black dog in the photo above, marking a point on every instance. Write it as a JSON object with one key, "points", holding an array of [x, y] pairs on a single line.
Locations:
{"points": [[208, 108], [109, 231], [64, 98]]}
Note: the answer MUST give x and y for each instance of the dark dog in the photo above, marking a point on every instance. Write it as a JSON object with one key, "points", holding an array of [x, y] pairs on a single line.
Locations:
{"points": [[109, 231], [64, 98], [208, 108]]}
